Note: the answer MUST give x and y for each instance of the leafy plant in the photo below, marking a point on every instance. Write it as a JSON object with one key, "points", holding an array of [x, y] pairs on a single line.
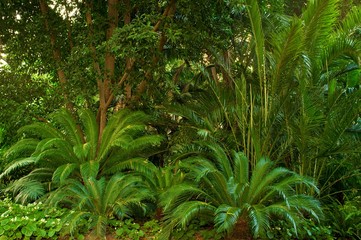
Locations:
{"points": [[345, 220], [308, 229], [100, 200], [129, 229], [33, 221], [52, 151], [235, 198]]}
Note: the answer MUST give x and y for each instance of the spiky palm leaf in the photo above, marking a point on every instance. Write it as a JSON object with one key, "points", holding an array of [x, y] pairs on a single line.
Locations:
{"points": [[62, 145], [99, 200], [312, 92], [227, 193]]}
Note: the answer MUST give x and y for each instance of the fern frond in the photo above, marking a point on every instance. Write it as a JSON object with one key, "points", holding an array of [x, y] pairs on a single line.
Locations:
{"points": [[241, 168]]}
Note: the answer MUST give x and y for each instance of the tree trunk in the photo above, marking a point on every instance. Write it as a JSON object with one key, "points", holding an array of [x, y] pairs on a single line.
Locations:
{"points": [[56, 52], [241, 231]]}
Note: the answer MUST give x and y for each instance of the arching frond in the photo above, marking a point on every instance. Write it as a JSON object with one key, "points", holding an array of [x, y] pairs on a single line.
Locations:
{"points": [[91, 130], [239, 199], [259, 219], [241, 168], [17, 164], [226, 218], [319, 19], [41, 130], [26, 189], [65, 121], [258, 35], [118, 165], [63, 172], [89, 169], [23, 147], [351, 21], [287, 47]]}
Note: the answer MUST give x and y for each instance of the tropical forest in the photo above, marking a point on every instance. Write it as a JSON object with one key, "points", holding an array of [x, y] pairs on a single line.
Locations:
{"points": [[180, 119]]}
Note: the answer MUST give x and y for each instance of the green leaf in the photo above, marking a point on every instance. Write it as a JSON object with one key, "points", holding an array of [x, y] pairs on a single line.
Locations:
{"points": [[27, 231], [354, 78], [51, 232], [119, 232]]}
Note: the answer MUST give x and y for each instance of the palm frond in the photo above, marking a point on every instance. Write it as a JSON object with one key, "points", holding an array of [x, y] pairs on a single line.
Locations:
{"points": [[89, 169], [18, 164], [122, 124], [307, 205], [63, 172], [319, 19], [287, 48], [259, 219], [226, 218], [40, 130], [27, 189], [258, 35], [179, 194], [221, 159], [241, 167], [91, 130], [261, 170], [117, 165], [64, 119], [351, 21], [23, 147], [183, 214], [144, 142]]}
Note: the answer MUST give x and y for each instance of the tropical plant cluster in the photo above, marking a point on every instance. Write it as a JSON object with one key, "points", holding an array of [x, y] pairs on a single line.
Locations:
{"points": [[180, 119]]}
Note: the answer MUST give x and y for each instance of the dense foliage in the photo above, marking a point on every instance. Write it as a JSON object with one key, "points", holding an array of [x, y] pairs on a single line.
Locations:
{"points": [[180, 119]]}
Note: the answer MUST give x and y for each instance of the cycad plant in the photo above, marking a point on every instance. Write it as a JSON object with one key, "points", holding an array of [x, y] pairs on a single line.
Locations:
{"points": [[293, 97], [159, 180], [52, 151], [238, 200], [98, 200]]}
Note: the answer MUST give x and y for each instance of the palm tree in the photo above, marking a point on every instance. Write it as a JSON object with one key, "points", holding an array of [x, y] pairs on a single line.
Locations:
{"points": [[98, 200], [52, 151], [237, 199]]}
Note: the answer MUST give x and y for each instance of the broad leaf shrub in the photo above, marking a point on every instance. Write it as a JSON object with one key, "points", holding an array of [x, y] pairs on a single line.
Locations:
{"points": [[32, 221]]}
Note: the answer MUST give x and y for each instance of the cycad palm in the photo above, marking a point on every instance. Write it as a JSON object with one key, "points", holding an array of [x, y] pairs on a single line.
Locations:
{"points": [[233, 198], [295, 99], [54, 150], [99, 200]]}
